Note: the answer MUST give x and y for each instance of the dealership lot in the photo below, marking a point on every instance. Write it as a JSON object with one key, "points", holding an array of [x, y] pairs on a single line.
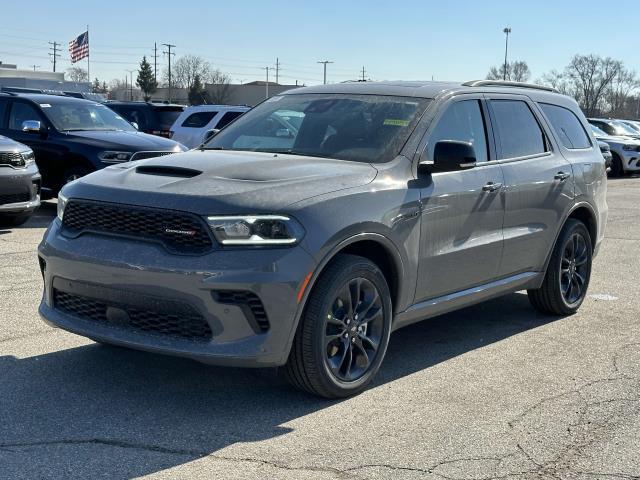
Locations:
{"points": [[492, 391]]}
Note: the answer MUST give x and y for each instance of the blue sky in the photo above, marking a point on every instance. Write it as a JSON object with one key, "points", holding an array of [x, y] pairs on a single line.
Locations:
{"points": [[454, 40]]}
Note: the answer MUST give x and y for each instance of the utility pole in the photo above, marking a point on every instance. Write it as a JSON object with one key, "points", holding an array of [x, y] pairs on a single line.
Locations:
{"points": [[267, 83], [277, 70], [131, 88], [506, 31], [35, 66], [155, 62], [169, 47], [54, 55], [363, 78], [324, 63]]}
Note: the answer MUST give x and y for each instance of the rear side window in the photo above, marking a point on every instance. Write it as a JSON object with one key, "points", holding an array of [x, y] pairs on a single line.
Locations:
{"points": [[134, 115], [462, 122], [198, 119], [567, 126], [21, 112], [227, 119], [520, 134], [167, 116]]}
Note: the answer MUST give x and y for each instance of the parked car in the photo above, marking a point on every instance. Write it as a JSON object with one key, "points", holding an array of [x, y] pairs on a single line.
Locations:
{"points": [[197, 123], [152, 118], [19, 182], [614, 127], [72, 137], [394, 202], [606, 154], [625, 152], [635, 126]]}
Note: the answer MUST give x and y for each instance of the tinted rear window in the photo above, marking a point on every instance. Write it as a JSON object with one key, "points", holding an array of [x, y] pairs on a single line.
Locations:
{"points": [[198, 119], [520, 134], [227, 119], [166, 116], [567, 126]]}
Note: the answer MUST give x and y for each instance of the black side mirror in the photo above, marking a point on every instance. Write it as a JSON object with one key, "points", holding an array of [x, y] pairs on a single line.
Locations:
{"points": [[452, 155]]}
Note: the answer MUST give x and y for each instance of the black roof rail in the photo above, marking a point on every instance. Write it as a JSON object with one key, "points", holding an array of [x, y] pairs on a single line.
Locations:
{"points": [[504, 83]]}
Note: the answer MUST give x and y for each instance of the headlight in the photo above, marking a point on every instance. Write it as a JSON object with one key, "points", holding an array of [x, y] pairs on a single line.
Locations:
{"points": [[114, 157], [256, 230], [631, 148], [28, 158], [62, 202]]}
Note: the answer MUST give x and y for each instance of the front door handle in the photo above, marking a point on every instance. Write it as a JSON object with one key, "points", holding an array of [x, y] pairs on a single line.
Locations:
{"points": [[561, 176], [492, 187]]}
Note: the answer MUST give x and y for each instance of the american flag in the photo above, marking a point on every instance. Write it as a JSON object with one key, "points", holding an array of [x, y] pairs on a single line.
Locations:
{"points": [[79, 47]]}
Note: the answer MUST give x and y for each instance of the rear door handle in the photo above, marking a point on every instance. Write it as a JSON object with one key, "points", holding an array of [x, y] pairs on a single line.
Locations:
{"points": [[492, 187], [561, 176]]}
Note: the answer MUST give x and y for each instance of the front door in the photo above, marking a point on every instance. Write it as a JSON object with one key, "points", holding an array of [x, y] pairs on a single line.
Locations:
{"points": [[462, 211]]}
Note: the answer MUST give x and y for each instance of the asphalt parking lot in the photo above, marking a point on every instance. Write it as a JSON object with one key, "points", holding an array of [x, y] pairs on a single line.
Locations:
{"points": [[493, 391]]}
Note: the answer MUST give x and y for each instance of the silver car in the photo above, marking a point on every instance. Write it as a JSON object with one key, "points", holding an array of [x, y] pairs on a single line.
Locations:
{"points": [[19, 182], [389, 203], [625, 152]]}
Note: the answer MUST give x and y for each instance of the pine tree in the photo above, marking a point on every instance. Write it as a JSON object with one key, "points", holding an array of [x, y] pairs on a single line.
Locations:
{"points": [[146, 80], [196, 92]]}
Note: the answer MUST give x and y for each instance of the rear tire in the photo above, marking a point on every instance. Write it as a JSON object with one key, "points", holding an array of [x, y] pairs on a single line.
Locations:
{"points": [[343, 334], [72, 174], [567, 277]]}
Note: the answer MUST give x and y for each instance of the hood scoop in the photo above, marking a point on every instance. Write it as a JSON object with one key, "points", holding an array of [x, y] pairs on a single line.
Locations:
{"points": [[168, 171]]}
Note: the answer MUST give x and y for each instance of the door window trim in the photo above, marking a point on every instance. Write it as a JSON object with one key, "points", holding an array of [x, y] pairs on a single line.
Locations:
{"points": [[562, 145]]}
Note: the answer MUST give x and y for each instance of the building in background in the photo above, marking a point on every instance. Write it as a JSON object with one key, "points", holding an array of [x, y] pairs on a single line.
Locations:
{"points": [[232, 94], [11, 76]]}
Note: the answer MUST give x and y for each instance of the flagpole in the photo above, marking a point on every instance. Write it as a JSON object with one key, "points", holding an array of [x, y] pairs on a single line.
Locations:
{"points": [[88, 49]]}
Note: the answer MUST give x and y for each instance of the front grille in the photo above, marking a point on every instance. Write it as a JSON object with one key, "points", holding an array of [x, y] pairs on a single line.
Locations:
{"points": [[250, 304], [179, 232], [143, 155], [14, 198], [181, 321], [13, 159]]}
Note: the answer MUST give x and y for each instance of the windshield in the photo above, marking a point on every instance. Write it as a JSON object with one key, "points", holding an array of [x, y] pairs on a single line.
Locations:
{"points": [[633, 126], [85, 116], [364, 128], [623, 129], [598, 132]]}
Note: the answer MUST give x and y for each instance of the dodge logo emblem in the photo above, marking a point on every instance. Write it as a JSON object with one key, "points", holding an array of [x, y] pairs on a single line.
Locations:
{"points": [[175, 231]]}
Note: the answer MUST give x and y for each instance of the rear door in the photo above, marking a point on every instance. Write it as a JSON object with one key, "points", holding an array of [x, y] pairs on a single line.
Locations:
{"points": [[462, 211], [539, 183]]}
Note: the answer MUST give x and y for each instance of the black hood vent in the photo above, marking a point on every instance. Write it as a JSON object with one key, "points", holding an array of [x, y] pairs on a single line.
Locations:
{"points": [[168, 171]]}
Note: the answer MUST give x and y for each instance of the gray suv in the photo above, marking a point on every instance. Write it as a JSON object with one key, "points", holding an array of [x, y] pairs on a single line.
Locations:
{"points": [[389, 203], [19, 182]]}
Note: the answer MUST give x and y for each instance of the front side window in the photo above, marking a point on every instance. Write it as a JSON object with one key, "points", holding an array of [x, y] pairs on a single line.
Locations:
{"points": [[567, 126], [135, 115], [520, 133], [463, 122], [364, 128], [72, 116], [21, 112]]}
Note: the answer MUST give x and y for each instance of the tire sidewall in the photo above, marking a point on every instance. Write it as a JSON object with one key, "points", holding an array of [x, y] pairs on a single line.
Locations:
{"points": [[573, 226], [369, 271]]}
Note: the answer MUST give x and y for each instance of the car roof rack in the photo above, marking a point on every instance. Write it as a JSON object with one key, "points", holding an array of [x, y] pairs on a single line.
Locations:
{"points": [[505, 83]]}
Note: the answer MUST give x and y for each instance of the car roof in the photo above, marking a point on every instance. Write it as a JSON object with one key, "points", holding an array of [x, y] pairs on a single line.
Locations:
{"points": [[208, 107], [430, 89], [55, 99], [138, 104]]}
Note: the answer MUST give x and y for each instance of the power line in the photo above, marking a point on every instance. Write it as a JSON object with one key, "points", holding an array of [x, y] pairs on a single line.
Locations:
{"points": [[54, 56], [155, 62], [324, 64], [169, 47]]}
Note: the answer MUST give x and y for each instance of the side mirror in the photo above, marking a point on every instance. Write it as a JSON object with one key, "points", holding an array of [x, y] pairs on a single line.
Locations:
{"points": [[283, 133], [210, 134], [452, 155], [135, 125], [32, 126]]}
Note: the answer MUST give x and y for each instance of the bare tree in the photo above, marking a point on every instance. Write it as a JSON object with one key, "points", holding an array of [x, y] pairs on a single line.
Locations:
{"points": [[77, 74], [618, 97], [185, 69], [591, 76], [220, 88], [557, 80], [517, 71]]}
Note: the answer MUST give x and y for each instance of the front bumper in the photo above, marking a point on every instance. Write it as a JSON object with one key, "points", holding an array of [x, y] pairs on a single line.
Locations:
{"points": [[631, 161], [19, 189], [122, 272]]}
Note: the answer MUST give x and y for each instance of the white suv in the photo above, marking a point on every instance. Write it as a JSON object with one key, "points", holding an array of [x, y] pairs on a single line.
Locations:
{"points": [[195, 124]]}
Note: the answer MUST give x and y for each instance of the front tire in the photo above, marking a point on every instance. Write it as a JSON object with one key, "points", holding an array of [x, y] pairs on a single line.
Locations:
{"points": [[567, 278], [344, 332], [617, 170], [14, 220]]}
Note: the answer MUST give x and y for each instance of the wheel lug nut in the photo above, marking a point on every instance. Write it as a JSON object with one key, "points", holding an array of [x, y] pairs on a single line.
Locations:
{"points": [[353, 340]]}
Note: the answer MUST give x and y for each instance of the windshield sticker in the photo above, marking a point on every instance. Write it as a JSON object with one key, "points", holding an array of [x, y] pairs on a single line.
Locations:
{"points": [[45, 105], [396, 122]]}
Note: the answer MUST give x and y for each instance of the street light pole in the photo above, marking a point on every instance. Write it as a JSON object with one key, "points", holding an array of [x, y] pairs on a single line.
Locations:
{"points": [[506, 31], [131, 83]]}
